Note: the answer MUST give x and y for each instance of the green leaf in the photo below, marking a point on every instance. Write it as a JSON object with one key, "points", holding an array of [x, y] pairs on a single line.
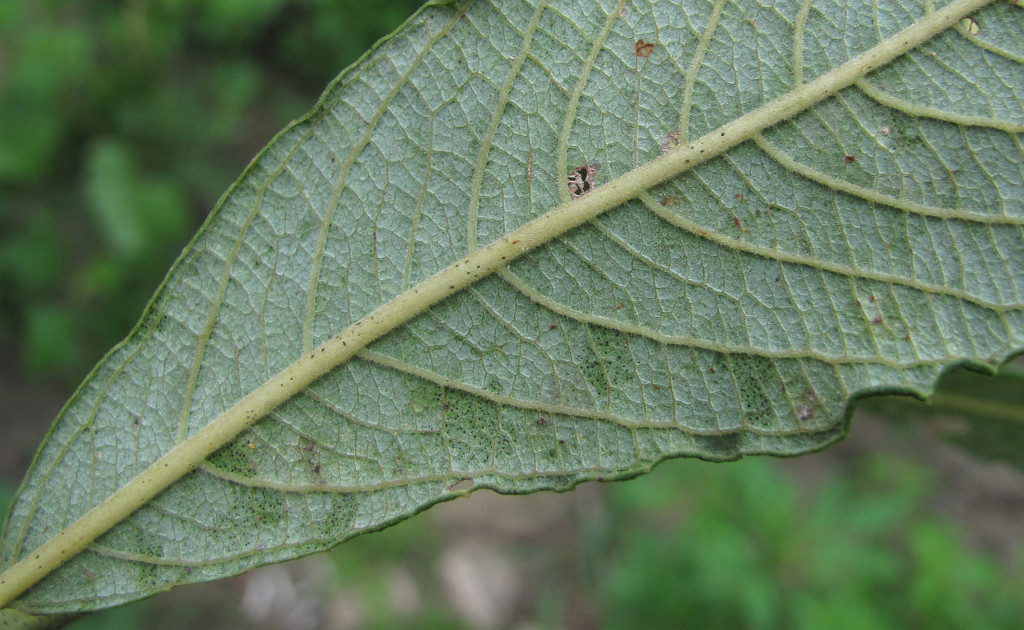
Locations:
{"points": [[789, 207]]}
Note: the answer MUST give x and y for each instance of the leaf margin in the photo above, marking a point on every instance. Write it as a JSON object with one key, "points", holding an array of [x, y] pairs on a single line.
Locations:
{"points": [[482, 262]]}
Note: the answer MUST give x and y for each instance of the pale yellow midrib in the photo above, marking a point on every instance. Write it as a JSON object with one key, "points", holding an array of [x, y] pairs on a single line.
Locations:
{"points": [[338, 349]]}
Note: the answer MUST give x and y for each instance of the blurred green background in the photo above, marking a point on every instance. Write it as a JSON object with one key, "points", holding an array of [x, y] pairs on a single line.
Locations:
{"points": [[121, 123]]}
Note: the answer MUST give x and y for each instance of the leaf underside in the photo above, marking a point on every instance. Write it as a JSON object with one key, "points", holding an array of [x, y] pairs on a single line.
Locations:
{"points": [[865, 245]]}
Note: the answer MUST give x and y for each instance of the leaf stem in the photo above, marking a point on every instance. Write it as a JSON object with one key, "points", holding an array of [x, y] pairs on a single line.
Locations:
{"points": [[192, 451]]}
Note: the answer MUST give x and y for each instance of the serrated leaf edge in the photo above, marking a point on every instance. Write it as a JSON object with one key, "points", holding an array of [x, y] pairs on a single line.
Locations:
{"points": [[492, 258]]}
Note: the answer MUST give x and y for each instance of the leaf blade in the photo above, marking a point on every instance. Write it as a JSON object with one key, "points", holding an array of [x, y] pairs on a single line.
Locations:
{"points": [[602, 412]]}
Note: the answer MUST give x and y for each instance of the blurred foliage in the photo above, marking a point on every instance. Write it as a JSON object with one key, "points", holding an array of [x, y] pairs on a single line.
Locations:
{"points": [[121, 123], [980, 413], [740, 547], [366, 567]]}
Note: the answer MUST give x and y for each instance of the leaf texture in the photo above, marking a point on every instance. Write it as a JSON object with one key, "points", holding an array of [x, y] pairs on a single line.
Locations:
{"points": [[866, 244]]}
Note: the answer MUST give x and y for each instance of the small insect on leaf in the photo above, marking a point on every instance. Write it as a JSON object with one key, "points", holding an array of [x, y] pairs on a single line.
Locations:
{"points": [[581, 180]]}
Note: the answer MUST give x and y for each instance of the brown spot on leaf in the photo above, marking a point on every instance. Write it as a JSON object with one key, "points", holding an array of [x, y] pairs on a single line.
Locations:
{"points": [[643, 48], [671, 141], [581, 180]]}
